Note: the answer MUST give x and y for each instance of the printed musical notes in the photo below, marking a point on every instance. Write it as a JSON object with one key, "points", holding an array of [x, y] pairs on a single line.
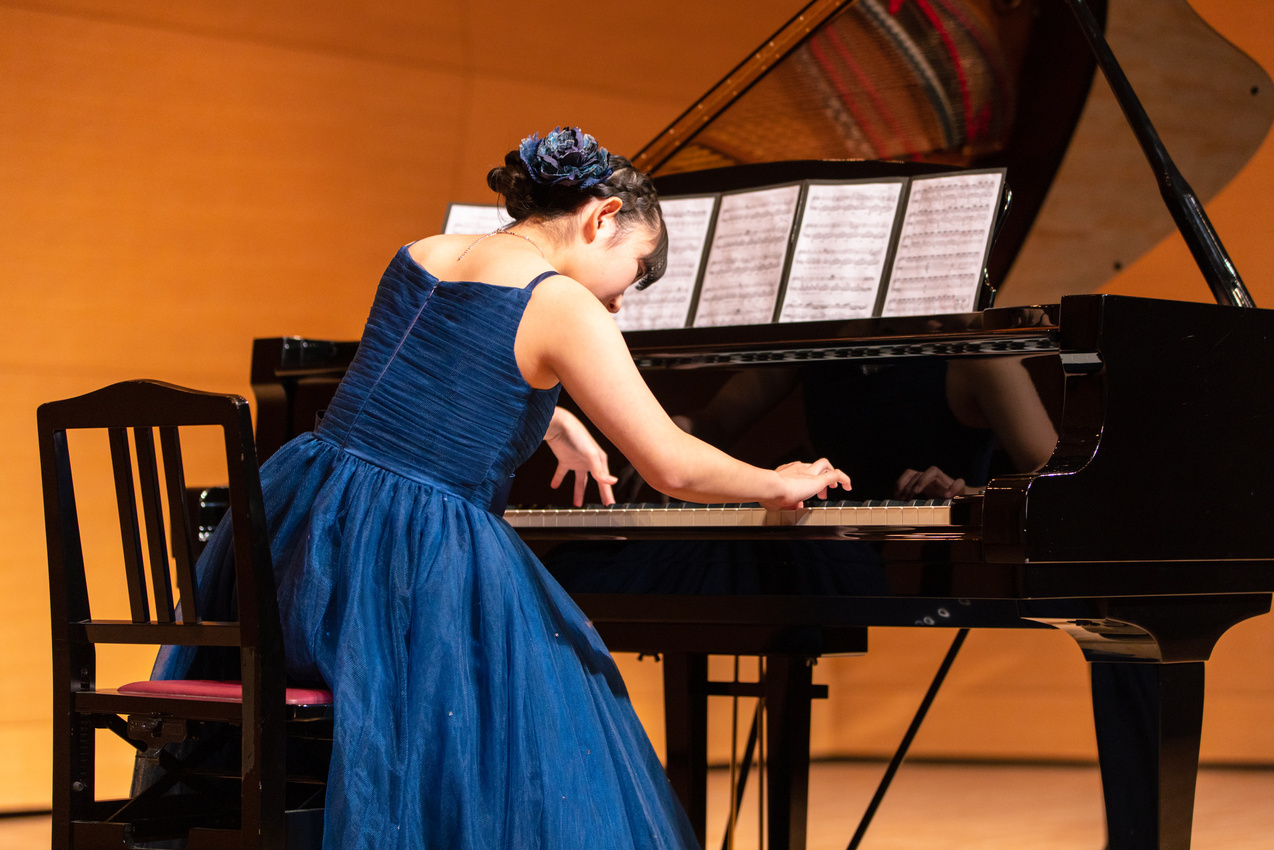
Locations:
{"points": [[666, 304], [841, 250], [817, 250], [747, 258], [943, 244]]}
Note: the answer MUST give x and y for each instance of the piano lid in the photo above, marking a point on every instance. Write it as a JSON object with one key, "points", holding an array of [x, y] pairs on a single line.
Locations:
{"points": [[983, 83]]}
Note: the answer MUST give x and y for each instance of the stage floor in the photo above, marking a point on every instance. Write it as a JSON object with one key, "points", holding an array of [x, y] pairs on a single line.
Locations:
{"points": [[974, 807]]}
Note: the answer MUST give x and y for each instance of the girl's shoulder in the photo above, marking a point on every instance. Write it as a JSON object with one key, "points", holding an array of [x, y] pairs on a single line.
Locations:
{"points": [[561, 310], [435, 248], [559, 292]]}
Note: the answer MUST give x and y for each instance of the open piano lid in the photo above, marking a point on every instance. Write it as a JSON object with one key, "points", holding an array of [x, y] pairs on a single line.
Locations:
{"points": [[986, 83]]}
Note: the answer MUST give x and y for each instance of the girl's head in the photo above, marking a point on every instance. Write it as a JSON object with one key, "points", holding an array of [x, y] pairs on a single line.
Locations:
{"points": [[549, 181]]}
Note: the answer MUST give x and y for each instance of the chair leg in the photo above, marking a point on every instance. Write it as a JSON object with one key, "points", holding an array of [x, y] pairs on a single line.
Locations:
{"points": [[74, 769]]}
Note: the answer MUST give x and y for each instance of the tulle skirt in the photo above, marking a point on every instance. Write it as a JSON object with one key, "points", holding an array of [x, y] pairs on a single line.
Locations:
{"points": [[475, 705]]}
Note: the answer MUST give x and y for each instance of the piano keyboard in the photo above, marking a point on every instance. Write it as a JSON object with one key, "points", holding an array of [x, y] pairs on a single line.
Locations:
{"points": [[676, 515]]}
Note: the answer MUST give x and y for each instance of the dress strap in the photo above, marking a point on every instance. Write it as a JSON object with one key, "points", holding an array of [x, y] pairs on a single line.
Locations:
{"points": [[539, 278]]}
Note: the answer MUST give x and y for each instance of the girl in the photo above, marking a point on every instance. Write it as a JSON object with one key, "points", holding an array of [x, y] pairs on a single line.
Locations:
{"points": [[475, 706]]}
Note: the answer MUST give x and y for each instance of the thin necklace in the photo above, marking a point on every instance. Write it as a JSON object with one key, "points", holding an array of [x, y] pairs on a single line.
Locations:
{"points": [[534, 244]]}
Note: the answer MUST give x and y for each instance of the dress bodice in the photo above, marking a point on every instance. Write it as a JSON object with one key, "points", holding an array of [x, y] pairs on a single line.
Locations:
{"points": [[435, 393]]}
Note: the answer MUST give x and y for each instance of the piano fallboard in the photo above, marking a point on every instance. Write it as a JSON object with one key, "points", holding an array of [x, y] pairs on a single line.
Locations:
{"points": [[998, 331]]}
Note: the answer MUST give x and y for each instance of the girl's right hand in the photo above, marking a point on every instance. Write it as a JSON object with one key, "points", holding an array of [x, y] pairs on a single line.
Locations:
{"points": [[805, 481], [933, 483]]}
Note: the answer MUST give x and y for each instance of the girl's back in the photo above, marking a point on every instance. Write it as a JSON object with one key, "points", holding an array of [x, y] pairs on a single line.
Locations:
{"points": [[435, 393]]}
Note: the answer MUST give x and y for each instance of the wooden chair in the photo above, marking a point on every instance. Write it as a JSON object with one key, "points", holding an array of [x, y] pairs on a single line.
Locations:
{"points": [[208, 791]]}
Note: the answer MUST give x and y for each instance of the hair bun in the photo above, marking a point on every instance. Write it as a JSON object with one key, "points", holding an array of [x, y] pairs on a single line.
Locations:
{"points": [[551, 178], [565, 157]]}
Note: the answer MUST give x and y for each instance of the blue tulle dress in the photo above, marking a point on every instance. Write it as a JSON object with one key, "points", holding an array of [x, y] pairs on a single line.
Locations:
{"points": [[476, 707]]}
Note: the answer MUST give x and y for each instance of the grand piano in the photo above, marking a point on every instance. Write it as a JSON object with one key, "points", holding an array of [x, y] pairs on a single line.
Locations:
{"points": [[1144, 535]]}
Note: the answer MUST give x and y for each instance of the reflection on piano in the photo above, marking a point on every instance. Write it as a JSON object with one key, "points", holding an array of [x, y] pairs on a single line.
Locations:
{"points": [[1145, 535]]}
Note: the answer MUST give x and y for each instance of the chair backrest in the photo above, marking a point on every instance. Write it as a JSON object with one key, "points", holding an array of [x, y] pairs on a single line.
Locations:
{"points": [[131, 413]]}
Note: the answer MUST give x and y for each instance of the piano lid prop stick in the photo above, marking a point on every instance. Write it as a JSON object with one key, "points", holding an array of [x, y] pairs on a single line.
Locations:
{"points": [[896, 761], [1183, 204]]}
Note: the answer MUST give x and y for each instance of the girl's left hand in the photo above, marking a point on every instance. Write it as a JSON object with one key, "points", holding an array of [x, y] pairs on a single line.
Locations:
{"points": [[578, 452]]}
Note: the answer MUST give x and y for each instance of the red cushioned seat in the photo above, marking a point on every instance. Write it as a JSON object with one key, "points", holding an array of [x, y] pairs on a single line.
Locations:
{"points": [[219, 690]]}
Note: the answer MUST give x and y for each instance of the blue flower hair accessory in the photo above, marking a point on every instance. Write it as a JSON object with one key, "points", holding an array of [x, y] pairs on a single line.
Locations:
{"points": [[565, 157]]}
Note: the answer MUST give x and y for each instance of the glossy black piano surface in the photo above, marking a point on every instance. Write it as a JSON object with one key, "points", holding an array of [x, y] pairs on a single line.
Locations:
{"points": [[1143, 536]]}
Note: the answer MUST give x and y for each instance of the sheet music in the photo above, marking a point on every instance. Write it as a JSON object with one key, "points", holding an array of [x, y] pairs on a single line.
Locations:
{"points": [[745, 263], [666, 304], [475, 218], [945, 231], [841, 249]]}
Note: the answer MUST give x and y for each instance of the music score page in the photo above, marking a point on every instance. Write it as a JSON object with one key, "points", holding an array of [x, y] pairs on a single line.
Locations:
{"points": [[841, 249], [747, 258], [943, 244], [475, 218], [666, 303]]}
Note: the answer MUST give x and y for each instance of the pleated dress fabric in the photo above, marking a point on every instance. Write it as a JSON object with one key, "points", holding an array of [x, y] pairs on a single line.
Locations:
{"points": [[475, 705]]}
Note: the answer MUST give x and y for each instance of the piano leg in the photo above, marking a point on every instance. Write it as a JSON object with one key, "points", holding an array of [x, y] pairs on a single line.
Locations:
{"points": [[686, 733], [1147, 656], [1148, 717], [789, 687]]}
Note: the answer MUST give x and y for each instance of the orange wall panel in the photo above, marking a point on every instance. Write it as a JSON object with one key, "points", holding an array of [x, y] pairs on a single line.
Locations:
{"points": [[179, 179]]}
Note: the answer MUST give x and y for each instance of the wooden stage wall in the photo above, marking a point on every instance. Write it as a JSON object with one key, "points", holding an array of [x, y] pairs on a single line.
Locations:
{"points": [[177, 179]]}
